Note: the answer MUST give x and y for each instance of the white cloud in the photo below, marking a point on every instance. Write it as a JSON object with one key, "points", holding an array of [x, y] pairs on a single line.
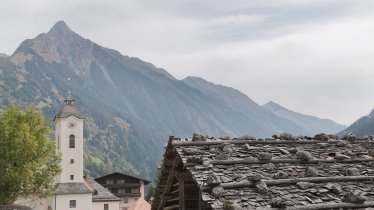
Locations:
{"points": [[313, 56]]}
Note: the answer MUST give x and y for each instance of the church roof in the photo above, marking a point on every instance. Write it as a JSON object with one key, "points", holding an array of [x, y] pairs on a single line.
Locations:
{"points": [[72, 188], [281, 172], [100, 193], [69, 109]]}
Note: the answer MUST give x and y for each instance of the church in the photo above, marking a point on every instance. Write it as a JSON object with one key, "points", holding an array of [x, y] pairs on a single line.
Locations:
{"points": [[73, 189]]}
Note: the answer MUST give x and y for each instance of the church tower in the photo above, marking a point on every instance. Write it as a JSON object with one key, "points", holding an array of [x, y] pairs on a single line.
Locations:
{"points": [[69, 136], [71, 190]]}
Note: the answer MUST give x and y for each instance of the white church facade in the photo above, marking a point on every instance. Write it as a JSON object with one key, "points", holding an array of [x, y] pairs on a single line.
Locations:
{"points": [[73, 191]]}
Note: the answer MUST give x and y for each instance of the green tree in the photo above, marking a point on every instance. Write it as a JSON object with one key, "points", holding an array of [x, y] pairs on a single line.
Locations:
{"points": [[28, 164]]}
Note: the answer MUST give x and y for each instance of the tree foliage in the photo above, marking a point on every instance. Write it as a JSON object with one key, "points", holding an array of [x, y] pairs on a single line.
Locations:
{"points": [[28, 163]]}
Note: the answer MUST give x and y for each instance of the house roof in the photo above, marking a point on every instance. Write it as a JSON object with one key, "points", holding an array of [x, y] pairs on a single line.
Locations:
{"points": [[145, 181], [100, 192], [298, 172], [68, 110], [72, 188], [140, 204]]}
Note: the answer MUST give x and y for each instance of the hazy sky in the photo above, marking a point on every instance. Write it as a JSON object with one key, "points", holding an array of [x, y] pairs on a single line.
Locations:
{"points": [[311, 56]]}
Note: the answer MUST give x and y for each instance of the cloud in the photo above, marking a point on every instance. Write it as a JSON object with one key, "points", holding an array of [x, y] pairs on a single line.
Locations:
{"points": [[313, 56]]}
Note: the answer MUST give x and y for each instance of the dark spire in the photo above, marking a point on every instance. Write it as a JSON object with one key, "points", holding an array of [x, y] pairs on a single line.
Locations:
{"points": [[69, 99]]}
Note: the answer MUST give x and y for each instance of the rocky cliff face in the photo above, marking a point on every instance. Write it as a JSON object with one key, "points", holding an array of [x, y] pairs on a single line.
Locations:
{"points": [[131, 106]]}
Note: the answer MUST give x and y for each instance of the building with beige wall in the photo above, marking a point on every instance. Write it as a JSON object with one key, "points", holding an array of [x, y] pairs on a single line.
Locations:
{"points": [[129, 188]]}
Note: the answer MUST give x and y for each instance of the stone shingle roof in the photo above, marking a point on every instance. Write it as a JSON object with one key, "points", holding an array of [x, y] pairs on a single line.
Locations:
{"points": [[69, 109], [285, 171], [72, 188], [100, 193]]}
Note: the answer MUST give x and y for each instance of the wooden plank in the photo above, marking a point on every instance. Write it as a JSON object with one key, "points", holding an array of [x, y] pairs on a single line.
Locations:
{"points": [[218, 142], [319, 179], [174, 191], [173, 199], [328, 206], [168, 184], [234, 185], [313, 161], [182, 204], [171, 207]]}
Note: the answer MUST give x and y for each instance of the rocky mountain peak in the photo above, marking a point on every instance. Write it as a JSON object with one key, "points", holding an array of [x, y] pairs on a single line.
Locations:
{"points": [[60, 28], [273, 105]]}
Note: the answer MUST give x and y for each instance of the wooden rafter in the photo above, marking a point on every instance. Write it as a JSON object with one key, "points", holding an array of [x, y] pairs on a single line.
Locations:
{"points": [[169, 183]]}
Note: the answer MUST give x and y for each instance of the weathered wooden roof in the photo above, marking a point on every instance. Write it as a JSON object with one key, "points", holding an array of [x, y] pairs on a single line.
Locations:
{"points": [[298, 172]]}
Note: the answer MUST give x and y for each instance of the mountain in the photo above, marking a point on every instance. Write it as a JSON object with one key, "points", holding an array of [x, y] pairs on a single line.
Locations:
{"points": [[313, 125], [254, 119], [131, 106], [362, 127]]}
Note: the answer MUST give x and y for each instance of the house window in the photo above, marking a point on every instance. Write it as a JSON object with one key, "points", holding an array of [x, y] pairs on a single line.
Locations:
{"points": [[106, 206], [71, 177], [72, 141], [125, 200], [58, 142], [121, 191], [121, 181], [71, 161], [73, 204], [135, 190], [109, 181]]}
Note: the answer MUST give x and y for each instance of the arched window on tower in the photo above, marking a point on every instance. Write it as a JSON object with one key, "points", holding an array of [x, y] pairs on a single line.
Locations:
{"points": [[71, 141]]}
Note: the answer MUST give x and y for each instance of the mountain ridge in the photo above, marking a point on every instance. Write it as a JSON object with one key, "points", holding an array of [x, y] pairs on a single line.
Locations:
{"points": [[312, 124], [364, 126]]}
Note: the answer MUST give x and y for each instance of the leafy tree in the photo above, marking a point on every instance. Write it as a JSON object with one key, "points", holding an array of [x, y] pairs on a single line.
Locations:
{"points": [[28, 163], [150, 193]]}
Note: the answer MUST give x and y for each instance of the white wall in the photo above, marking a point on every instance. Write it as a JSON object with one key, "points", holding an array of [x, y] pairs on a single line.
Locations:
{"points": [[83, 201], [113, 205], [142, 188], [63, 133]]}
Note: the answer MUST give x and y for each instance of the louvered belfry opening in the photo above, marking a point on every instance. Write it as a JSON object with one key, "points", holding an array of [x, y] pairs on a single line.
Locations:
{"points": [[323, 172]]}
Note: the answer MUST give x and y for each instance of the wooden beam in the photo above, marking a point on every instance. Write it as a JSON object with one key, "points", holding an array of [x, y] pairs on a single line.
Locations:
{"points": [[171, 207], [169, 183], [319, 179], [313, 161], [234, 185], [201, 202], [328, 206], [218, 142], [182, 201], [180, 174]]}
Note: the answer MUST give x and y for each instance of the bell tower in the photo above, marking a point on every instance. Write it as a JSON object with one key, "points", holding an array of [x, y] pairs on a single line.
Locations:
{"points": [[69, 136], [71, 190]]}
